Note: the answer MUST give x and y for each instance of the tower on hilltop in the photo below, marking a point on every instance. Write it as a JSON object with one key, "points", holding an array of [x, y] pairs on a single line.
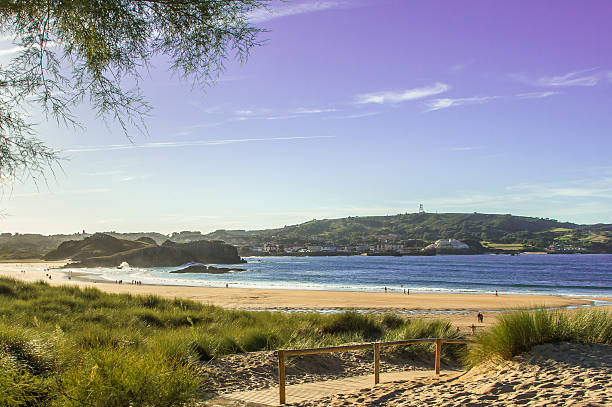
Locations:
{"points": [[421, 210]]}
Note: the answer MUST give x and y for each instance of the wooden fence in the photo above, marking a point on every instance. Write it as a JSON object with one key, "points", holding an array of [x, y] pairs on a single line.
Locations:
{"points": [[376, 346]]}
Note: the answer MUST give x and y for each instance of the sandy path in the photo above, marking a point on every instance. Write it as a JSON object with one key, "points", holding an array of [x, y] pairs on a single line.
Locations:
{"points": [[459, 307], [549, 375]]}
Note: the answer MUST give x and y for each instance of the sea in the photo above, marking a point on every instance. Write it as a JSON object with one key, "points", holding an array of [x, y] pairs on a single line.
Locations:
{"points": [[567, 274]]}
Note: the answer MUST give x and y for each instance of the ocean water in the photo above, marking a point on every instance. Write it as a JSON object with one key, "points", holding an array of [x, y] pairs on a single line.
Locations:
{"points": [[582, 275]]}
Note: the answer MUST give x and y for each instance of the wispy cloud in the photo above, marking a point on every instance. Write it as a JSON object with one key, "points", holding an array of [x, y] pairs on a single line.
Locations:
{"points": [[302, 110], [438, 104], [270, 114], [279, 117], [290, 9], [536, 95], [463, 148], [460, 67], [135, 178], [8, 51], [85, 191], [245, 112], [355, 116], [241, 115], [402, 96], [105, 173], [193, 143], [601, 188], [577, 78]]}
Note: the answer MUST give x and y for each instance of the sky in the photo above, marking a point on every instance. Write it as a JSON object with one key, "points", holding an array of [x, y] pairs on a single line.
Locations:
{"points": [[352, 108]]}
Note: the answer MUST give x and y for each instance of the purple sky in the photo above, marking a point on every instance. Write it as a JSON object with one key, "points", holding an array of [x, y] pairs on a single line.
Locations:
{"points": [[354, 108]]}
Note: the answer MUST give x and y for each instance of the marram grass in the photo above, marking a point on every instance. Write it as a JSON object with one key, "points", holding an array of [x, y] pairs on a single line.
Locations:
{"points": [[517, 332], [67, 346]]}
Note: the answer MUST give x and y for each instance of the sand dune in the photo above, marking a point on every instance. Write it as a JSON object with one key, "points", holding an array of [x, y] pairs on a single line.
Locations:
{"points": [[549, 375]]}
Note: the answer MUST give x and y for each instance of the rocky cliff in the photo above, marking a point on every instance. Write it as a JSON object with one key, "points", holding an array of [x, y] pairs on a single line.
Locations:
{"points": [[101, 250]]}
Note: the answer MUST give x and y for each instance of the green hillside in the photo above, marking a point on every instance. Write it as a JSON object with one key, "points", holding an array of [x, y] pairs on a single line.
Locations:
{"points": [[419, 229], [491, 231], [34, 246]]}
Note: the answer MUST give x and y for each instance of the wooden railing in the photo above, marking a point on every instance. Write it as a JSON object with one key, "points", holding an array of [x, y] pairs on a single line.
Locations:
{"points": [[376, 346]]}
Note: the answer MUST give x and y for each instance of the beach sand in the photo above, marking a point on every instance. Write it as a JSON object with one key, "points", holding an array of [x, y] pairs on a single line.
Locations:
{"points": [[461, 309], [549, 375]]}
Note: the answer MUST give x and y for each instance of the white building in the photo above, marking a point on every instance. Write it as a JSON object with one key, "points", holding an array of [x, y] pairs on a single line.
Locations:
{"points": [[448, 244]]}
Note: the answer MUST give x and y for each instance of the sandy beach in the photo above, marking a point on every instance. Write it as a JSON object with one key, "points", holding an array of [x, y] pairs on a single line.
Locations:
{"points": [[548, 375], [459, 308]]}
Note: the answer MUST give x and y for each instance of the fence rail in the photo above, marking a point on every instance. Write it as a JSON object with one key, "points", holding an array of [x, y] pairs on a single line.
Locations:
{"points": [[283, 354]]}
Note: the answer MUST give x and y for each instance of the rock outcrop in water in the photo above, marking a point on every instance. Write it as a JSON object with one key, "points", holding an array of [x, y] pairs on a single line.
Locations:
{"points": [[101, 250], [200, 268]]}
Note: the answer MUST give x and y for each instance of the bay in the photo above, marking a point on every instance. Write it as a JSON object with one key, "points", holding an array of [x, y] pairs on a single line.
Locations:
{"points": [[585, 275]]}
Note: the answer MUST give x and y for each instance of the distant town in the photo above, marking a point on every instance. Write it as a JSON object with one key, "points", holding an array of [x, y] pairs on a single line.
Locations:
{"points": [[409, 234]]}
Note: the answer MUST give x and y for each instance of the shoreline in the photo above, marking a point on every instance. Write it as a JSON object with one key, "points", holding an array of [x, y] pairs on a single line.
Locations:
{"points": [[459, 309], [298, 299]]}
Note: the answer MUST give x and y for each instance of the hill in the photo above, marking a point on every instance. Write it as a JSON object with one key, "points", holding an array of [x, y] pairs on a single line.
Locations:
{"points": [[34, 246], [483, 232], [101, 250], [419, 229]]}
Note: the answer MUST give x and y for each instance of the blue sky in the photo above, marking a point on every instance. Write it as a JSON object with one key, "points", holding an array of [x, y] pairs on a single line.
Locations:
{"points": [[363, 107]]}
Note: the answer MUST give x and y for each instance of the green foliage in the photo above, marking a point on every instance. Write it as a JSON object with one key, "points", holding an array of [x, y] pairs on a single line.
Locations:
{"points": [[71, 346], [352, 323], [418, 230], [19, 387], [519, 331], [71, 51], [392, 321], [119, 377]]}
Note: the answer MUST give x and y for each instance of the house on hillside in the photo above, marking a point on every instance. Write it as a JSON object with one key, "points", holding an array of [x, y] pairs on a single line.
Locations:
{"points": [[452, 244]]}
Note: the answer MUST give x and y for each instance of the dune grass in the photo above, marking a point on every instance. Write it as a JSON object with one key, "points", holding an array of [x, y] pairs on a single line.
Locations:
{"points": [[69, 346], [519, 331]]}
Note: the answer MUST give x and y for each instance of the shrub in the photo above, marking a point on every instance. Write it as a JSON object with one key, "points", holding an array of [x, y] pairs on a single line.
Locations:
{"points": [[33, 354], [7, 289], [111, 377], [351, 322], [519, 331], [18, 387], [226, 346], [392, 321], [254, 340], [151, 319]]}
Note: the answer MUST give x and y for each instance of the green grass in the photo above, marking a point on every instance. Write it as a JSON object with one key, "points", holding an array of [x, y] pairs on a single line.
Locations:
{"points": [[503, 246], [68, 346], [518, 332]]}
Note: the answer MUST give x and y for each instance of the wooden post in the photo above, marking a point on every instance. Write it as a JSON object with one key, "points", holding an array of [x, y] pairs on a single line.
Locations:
{"points": [[281, 377], [438, 354], [376, 363]]}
